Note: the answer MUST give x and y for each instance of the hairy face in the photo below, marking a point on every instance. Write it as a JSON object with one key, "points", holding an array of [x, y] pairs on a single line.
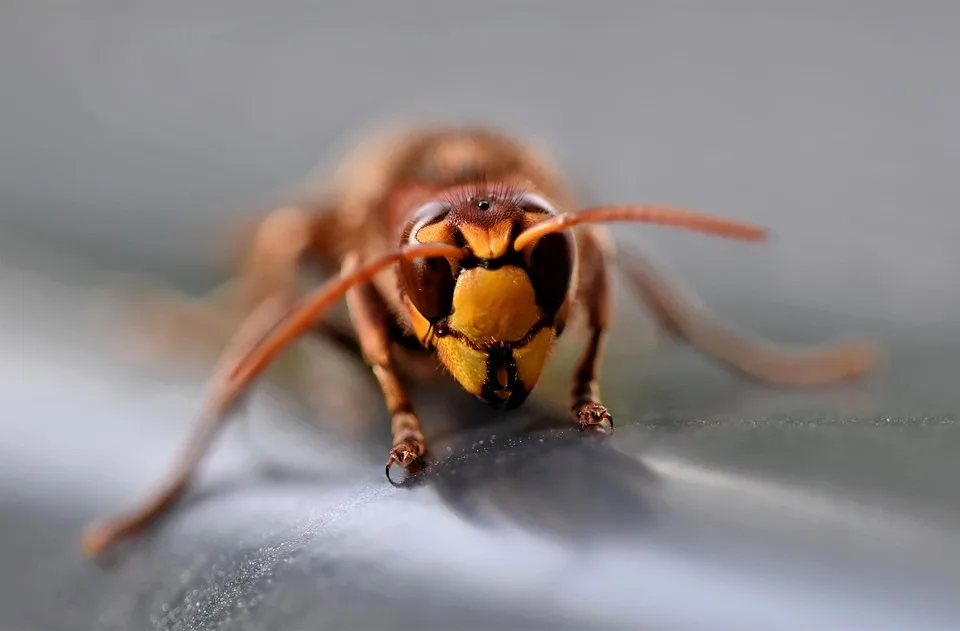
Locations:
{"points": [[493, 314]]}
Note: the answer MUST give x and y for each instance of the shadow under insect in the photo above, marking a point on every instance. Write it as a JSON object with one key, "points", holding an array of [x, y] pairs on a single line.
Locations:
{"points": [[535, 469]]}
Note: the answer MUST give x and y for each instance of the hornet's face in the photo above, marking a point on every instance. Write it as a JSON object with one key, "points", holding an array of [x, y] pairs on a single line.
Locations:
{"points": [[494, 314]]}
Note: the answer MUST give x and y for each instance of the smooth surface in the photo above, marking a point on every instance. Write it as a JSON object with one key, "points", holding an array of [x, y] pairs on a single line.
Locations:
{"points": [[717, 503], [130, 133]]}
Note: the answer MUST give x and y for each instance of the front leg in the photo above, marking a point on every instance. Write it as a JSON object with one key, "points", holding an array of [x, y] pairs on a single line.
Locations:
{"points": [[373, 321], [593, 294]]}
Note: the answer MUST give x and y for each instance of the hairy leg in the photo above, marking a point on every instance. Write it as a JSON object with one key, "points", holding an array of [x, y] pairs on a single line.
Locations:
{"points": [[267, 288], [373, 322], [593, 294], [753, 357], [225, 391], [266, 333], [274, 252]]}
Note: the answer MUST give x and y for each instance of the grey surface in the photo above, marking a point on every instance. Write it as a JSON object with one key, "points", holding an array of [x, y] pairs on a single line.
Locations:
{"points": [[718, 503], [128, 132]]}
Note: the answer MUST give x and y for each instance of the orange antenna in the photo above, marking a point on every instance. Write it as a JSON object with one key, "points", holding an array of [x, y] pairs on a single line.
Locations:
{"points": [[643, 213], [316, 304], [265, 334]]}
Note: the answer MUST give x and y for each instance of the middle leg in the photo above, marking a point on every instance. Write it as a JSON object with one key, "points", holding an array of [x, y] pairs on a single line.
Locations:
{"points": [[273, 256]]}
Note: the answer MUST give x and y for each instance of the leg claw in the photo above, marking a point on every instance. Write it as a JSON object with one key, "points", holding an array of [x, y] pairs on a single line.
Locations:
{"points": [[595, 418], [409, 455]]}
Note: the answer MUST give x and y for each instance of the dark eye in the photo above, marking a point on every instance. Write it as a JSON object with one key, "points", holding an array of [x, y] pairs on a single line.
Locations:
{"points": [[550, 269], [429, 283], [550, 264], [428, 214], [532, 202]]}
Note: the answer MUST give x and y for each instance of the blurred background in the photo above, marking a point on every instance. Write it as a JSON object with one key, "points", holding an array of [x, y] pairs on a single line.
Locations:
{"points": [[135, 135]]}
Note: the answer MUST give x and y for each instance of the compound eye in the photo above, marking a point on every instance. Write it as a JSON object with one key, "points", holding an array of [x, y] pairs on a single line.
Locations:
{"points": [[532, 202], [428, 282], [429, 213], [550, 267], [550, 263]]}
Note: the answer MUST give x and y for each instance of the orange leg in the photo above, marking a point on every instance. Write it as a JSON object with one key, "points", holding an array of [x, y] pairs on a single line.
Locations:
{"points": [[273, 256], [750, 356], [372, 320], [266, 289], [593, 294], [224, 393], [265, 334], [273, 261]]}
